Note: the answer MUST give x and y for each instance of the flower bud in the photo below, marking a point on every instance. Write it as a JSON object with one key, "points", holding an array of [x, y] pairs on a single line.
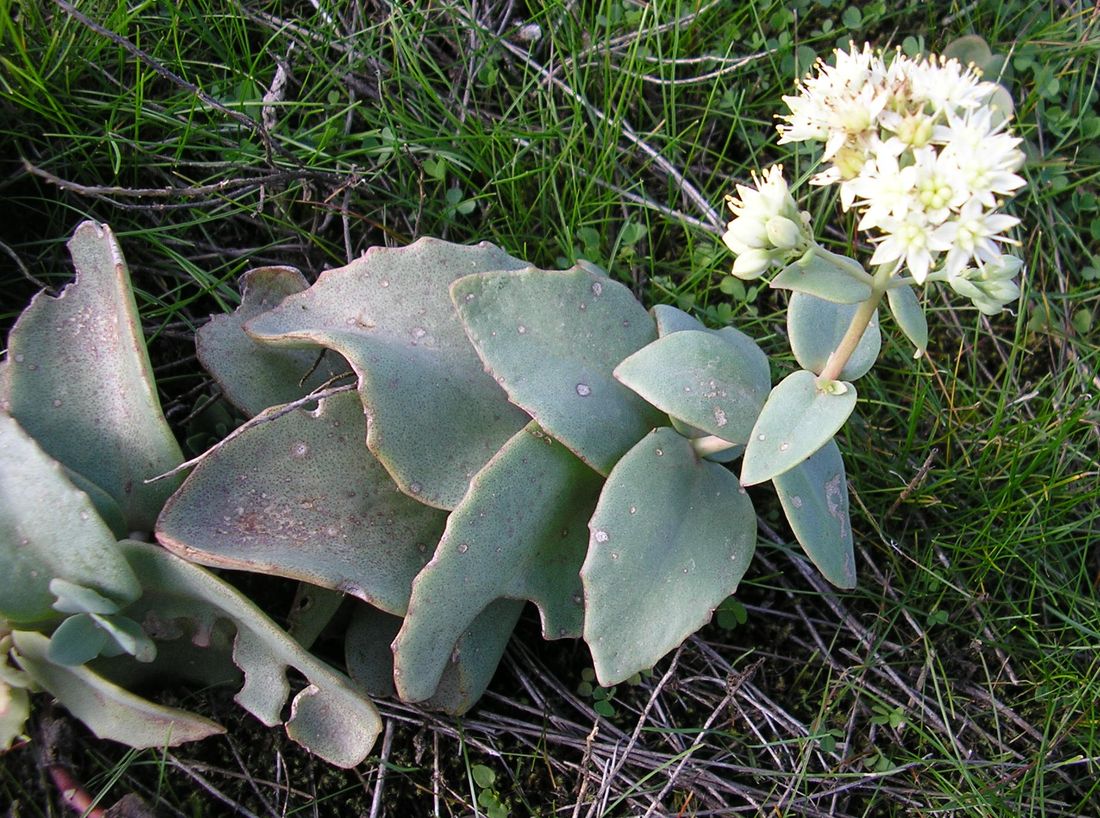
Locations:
{"points": [[749, 231], [783, 233], [752, 264]]}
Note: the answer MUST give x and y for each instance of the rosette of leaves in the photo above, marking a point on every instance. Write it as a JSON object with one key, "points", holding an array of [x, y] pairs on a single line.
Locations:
{"points": [[506, 435], [437, 433], [87, 612]]}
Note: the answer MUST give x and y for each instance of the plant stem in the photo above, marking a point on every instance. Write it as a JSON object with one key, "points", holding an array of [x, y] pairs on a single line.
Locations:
{"points": [[866, 311]]}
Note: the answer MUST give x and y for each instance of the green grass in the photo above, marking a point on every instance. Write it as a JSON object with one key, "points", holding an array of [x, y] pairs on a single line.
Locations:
{"points": [[960, 678]]}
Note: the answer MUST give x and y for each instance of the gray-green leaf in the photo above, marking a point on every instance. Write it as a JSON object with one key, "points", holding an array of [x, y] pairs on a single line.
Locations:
{"points": [[826, 275], [670, 539], [519, 533], [253, 375], [700, 378], [814, 495], [552, 339], [797, 419], [909, 316], [473, 658], [108, 710], [48, 530], [80, 381], [330, 716], [435, 416], [76, 641], [816, 327], [301, 496]]}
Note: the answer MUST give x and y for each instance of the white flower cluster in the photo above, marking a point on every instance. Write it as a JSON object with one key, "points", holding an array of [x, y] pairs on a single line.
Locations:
{"points": [[919, 151], [767, 229]]}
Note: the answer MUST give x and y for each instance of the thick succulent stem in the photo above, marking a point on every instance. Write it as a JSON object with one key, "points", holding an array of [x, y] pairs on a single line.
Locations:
{"points": [[863, 315]]}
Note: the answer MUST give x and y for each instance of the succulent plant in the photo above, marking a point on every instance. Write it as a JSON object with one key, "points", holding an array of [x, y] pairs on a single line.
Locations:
{"points": [[439, 432]]}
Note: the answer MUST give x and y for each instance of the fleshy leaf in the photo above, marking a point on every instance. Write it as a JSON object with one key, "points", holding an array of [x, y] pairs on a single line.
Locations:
{"points": [[816, 327], [80, 381], [552, 339], [470, 666], [15, 709], [797, 419], [49, 529], [252, 375], [519, 534], [76, 641], [301, 496], [330, 716], [909, 316], [826, 275], [126, 636], [814, 495], [702, 379], [313, 609], [670, 539], [106, 709], [73, 598], [672, 319], [435, 416]]}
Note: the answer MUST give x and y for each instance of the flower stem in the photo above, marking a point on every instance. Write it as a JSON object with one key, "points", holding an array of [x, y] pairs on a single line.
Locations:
{"points": [[864, 313]]}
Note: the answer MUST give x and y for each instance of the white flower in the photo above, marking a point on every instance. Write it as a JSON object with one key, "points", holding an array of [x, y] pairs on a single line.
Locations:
{"points": [[917, 149], [973, 235], [911, 240], [768, 229], [883, 188]]}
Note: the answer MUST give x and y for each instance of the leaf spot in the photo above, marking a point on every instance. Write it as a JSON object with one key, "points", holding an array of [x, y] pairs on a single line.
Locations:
{"points": [[522, 330], [463, 547], [415, 488], [719, 416], [599, 535], [300, 450], [796, 501], [784, 446], [597, 288], [584, 390]]}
